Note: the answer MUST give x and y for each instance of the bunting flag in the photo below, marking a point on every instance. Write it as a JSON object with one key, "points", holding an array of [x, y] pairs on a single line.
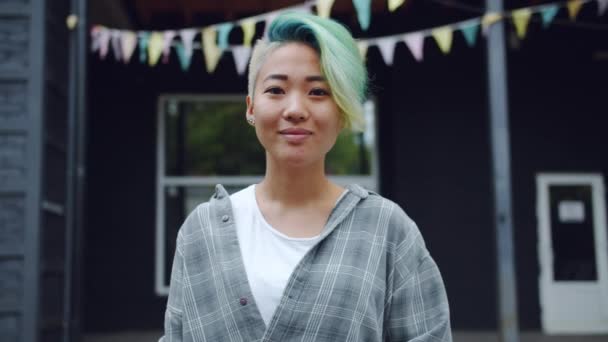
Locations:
{"points": [[602, 5], [167, 40], [116, 44], [574, 6], [215, 39], [470, 34], [387, 49], [521, 19], [415, 42], [241, 56], [210, 48], [128, 41], [223, 31], [443, 37], [155, 48], [548, 13], [394, 4], [144, 38], [248, 27], [363, 45], [364, 14], [184, 59], [324, 8], [100, 38], [488, 20], [269, 19], [187, 36]]}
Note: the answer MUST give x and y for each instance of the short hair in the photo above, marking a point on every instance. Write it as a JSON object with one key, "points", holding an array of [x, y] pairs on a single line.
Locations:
{"points": [[340, 59]]}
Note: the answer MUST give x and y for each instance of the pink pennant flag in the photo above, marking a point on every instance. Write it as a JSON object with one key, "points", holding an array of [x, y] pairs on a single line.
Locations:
{"points": [[100, 39], [167, 40], [387, 49], [128, 42], [602, 5], [187, 36], [116, 45], [415, 42], [241, 54]]}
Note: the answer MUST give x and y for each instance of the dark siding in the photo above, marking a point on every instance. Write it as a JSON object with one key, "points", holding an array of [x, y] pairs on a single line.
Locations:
{"points": [[14, 62]]}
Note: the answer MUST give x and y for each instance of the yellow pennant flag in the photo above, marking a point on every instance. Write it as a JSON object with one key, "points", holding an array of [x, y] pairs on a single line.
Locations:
{"points": [[488, 20], [394, 4], [248, 26], [155, 48], [363, 45], [324, 8], [521, 19], [211, 51], [443, 37], [574, 6]]}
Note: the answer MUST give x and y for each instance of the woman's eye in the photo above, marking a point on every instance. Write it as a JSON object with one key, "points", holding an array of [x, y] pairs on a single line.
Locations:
{"points": [[319, 92], [274, 90]]}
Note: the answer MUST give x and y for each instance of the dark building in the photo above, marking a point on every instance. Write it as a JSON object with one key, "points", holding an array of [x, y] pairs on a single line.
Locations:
{"points": [[92, 192]]}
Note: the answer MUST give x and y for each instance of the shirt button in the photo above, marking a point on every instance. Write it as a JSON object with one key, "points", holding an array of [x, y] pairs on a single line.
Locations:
{"points": [[225, 218], [243, 301]]}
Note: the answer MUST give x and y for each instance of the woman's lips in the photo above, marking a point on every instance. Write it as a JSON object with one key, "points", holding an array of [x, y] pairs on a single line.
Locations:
{"points": [[295, 135]]}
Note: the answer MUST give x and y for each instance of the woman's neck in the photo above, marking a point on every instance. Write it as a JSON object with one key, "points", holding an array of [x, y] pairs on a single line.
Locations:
{"points": [[296, 186]]}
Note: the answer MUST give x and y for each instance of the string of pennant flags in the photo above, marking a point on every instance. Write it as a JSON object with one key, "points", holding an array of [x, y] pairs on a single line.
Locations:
{"points": [[155, 46]]}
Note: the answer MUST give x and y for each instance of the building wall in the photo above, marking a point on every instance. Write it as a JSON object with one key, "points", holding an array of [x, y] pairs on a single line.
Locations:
{"points": [[33, 120], [15, 153]]}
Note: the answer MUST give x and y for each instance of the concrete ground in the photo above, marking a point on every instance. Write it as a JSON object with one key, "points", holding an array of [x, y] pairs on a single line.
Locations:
{"points": [[459, 336]]}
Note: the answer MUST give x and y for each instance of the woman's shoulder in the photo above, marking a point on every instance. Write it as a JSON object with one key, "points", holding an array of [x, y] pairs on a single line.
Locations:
{"points": [[375, 207]]}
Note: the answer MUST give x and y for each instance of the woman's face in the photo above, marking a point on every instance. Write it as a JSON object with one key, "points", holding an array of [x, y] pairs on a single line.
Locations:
{"points": [[296, 118]]}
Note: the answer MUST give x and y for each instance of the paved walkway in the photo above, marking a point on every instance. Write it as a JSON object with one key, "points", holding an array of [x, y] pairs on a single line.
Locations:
{"points": [[459, 336]]}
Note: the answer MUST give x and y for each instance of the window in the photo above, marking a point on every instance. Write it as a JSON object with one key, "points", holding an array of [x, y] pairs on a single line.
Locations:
{"points": [[205, 140]]}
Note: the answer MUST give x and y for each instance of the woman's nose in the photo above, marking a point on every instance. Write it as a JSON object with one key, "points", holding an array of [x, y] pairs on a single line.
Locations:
{"points": [[295, 109]]}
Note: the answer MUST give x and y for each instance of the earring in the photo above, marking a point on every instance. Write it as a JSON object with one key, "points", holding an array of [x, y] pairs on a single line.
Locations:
{"points": [[251, 120]]}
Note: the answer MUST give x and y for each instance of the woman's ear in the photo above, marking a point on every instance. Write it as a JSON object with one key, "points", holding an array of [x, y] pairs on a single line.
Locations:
{"points": [[249, 113], [249, 102]]}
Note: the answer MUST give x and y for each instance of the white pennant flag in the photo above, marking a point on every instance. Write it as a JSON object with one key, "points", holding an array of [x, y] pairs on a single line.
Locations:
{"points": [[387, 49], [96, 32], [116, 44], [167, 39], [602, 5], [100, 39], [269, 19], [128, 42], [415, 42], [305, 8], [187, 36], [241, 54]]}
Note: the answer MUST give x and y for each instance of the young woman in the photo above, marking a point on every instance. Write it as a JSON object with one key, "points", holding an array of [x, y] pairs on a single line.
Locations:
{"points": [[297, 257]]}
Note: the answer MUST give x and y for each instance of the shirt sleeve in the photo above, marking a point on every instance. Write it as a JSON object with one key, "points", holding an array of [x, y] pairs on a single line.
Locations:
{"points": [[173, 313], [418, 306]]}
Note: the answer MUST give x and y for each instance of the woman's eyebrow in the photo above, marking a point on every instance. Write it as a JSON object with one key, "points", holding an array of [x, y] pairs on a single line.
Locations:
{"points": [[283, 77], [316, 78], [280, 77]]}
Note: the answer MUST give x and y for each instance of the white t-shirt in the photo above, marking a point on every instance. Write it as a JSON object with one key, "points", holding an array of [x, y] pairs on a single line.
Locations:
{"points": [[269, 255]]}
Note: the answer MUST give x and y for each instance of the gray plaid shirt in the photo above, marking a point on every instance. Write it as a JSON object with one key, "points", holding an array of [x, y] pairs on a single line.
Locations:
{"points": [[369, 278]]}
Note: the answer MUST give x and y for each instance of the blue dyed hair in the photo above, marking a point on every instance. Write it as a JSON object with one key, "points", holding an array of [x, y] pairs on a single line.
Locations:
{"points": [[339, 56]]}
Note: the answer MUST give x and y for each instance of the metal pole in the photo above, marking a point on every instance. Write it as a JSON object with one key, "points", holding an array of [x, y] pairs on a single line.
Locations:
{"points": [[501, 172], [75, 174]]}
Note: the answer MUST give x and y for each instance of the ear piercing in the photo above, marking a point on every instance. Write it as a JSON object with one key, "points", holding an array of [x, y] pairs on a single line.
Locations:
{"points": [[251, 120]]}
